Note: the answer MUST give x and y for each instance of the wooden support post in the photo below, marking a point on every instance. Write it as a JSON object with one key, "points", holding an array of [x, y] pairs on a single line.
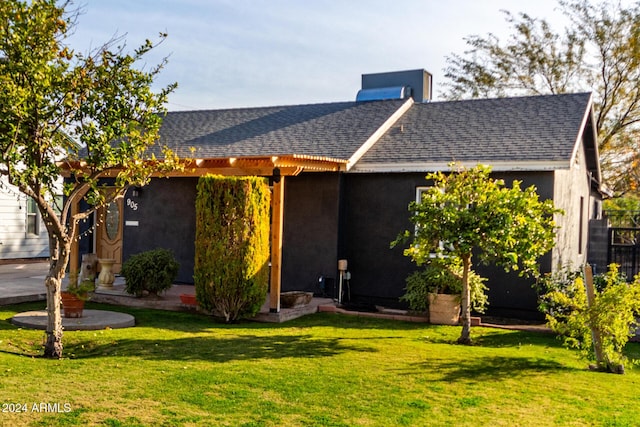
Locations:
{"points": [[595, 332], [277, 222]]}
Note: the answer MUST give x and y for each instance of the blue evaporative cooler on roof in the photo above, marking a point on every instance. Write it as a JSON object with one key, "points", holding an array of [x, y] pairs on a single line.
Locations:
{"points": [[382, 93]]}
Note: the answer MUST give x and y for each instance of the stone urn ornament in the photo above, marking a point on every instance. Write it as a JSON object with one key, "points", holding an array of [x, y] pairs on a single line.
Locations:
{"points": [[106, 276]]}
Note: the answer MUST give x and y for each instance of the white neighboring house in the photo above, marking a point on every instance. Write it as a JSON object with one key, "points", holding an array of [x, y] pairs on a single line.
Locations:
{"points": [[22, 231]]}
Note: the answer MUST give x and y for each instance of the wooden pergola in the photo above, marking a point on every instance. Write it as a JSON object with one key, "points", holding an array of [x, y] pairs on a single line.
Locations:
{"points": [[277, 167]]}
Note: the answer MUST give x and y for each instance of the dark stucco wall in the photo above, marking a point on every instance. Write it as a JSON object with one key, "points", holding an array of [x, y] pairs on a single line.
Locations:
{"points": [[509, 294], [165, 214], [310, 238], [328, 217], [375, 209]]}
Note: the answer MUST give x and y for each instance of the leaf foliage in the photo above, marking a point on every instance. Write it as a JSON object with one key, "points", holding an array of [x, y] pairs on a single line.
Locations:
{"points": [[231, 269], [89, 114], [612, 315], [151, 271]]}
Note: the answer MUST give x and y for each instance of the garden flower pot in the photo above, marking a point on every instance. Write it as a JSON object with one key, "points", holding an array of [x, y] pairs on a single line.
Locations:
{"points": [[72, 305], [187, 299], [295, 298], [444, 309]]}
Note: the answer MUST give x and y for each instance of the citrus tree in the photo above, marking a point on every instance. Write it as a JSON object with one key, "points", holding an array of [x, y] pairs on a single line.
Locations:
{"points": [[467, 210], [95, 111]]}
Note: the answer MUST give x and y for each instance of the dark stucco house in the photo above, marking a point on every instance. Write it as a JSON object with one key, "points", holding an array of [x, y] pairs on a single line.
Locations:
{"points": [[350, 170]]}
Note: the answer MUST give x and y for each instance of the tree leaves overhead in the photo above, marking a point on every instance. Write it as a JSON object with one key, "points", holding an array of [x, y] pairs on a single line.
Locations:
{"points": [[55, 104], [468, 209], [598, 51]]}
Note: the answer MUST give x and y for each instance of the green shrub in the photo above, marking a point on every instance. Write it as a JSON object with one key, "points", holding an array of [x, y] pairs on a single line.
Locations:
{"points": [[443, 275], [611, 317], [231, 270], [151, 271]]}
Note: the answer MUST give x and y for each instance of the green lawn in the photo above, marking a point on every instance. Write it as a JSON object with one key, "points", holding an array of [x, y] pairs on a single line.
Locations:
{"points": [[178, 369]]}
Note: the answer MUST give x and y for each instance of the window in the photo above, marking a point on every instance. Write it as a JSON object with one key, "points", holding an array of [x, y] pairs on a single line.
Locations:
{"points": [[58, 202], [419, 193], [33, 223], [581, 226], [112, 220]]}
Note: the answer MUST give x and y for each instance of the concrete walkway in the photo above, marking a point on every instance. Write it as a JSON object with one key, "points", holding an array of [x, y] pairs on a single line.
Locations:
{"points": [[22, 282]]}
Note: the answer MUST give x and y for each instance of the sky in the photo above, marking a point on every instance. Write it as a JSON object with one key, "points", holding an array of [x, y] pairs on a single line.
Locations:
{"points": [[252, 53]]}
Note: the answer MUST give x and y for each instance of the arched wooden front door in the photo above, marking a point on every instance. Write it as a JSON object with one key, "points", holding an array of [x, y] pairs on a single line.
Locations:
{"points": [[109, 232]]}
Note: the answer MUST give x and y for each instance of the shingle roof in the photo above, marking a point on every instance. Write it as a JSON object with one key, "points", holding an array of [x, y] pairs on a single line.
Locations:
{"points": [[333, 130], [517, 132], [523, 129]]}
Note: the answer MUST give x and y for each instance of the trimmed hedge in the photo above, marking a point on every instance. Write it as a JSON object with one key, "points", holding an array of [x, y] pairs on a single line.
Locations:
{"points": [[231, 271]]}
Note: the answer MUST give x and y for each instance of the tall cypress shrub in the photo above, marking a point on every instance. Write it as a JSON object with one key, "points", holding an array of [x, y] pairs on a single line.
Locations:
{"points": [[232, 245]]}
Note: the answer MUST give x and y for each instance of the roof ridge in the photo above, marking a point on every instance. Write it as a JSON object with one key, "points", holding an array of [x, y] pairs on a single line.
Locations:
{"points": [[516, 97], [267, 107]]}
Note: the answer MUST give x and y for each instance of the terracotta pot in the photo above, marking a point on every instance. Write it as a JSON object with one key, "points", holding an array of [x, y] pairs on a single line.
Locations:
{"points": [[188, 299], [72, 305], [444, 309]]}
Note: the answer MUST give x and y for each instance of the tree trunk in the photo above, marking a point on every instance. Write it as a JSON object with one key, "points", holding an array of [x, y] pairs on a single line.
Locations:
{"points": [[59, 252], [465, 304], [595, 331], [53, 345]]}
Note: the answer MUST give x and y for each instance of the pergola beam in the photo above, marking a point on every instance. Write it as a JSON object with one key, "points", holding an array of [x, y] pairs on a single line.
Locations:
{"points": [[268, 166], [290, 165], [277, 225]]}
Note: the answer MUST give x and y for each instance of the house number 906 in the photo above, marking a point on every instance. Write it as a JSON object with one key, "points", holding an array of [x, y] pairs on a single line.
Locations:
{"points": [[133, 205]]}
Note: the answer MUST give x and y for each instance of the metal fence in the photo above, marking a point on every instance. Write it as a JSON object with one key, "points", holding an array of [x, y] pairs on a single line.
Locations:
{"points": [[624, 250]]}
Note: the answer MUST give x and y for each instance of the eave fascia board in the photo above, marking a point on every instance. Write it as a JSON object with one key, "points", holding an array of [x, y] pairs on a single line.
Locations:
{"points": [[527, 166], [588, 115], [289, 165], [375, 137]]}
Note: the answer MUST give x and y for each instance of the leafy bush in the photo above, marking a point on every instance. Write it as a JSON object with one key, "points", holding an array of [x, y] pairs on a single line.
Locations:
{"points": [[231, 270], [443, 275], [609, 321], [151, 271]]}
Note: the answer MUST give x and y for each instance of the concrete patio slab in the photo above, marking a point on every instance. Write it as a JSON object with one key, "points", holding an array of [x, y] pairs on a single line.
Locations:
{"points": [[91, 320]]}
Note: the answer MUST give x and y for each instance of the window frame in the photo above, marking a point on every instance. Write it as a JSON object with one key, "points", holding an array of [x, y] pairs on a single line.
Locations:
{"points": [[419, 191], [32, 218]]}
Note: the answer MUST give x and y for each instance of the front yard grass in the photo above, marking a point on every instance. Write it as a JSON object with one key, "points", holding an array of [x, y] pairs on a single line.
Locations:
{"points": [[180, 369]]}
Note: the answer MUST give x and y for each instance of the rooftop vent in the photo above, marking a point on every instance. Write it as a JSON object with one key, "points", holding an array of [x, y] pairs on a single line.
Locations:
{"points": [[417, 81], [382, 93]]}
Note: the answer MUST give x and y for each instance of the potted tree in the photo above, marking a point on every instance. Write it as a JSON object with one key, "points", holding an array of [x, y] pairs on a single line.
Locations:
{"points": [[466, 211], [74, 297], [437, 287]]}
